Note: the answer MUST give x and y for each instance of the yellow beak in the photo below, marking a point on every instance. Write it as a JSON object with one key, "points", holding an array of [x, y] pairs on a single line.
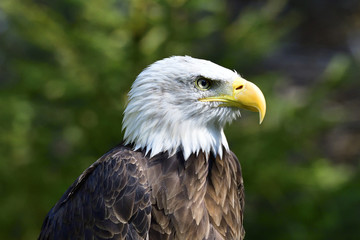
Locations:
{"points": [[245, 95]]}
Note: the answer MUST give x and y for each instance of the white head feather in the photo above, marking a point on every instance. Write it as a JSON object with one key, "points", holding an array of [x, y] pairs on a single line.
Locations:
{"points": [[164, 113]]}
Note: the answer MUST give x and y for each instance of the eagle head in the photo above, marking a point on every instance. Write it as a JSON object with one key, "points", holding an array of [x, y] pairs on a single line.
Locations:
{"points": [[182, 103]]}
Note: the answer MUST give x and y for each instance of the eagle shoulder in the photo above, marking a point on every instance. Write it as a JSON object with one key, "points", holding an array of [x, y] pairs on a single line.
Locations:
{"points": [[109, 200]]}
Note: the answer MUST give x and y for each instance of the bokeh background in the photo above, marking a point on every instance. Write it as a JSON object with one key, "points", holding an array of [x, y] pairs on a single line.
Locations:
{"points": [[67, 65]]}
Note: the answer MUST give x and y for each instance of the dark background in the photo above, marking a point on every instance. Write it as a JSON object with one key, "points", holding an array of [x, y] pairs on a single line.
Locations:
{"points": [[66, 67]]}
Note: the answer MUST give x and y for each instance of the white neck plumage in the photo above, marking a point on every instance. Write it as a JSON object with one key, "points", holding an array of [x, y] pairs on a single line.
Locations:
{"points": [[158, 135]]}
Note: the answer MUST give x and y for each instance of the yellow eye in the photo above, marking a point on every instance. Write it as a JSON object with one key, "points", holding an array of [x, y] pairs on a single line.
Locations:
{"points": [[203, 83]]}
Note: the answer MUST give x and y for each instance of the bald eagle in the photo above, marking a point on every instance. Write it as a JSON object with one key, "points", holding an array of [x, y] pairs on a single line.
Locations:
{"points": [[174, 177]]}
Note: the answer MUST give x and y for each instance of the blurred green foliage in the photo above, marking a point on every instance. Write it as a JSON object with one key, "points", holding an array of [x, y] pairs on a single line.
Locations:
{"points": [[65, 69]]}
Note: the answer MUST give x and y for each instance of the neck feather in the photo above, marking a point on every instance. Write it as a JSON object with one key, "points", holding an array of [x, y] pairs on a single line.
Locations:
{"points": [[185, 136]]}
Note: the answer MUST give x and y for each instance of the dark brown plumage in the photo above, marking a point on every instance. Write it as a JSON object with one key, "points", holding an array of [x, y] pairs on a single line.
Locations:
{"points": [[126, 195]]}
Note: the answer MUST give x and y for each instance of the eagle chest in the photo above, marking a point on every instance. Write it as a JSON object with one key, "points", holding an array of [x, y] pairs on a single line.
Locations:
{"points": [[195, 199]]}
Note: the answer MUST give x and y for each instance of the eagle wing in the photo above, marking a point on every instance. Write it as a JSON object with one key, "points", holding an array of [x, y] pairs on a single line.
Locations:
{"points": [[110, 200], [225, 197], [241, 194]]}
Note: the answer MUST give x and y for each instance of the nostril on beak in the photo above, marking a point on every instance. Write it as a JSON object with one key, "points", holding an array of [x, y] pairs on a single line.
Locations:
{"points": [[240, 87]]}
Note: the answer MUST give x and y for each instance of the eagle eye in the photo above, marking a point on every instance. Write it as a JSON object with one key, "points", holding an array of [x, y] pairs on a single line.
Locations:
{"points": [[203, 83]]}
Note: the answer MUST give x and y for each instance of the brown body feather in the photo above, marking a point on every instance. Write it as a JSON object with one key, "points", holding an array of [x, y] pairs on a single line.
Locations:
{"points": [[126, 195]]}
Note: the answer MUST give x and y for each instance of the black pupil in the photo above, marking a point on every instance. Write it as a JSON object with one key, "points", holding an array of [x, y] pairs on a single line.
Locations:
{"points": [[203, 83]]}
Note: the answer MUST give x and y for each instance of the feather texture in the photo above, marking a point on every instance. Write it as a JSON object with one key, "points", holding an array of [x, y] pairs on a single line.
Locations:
{"points": [[127, 195]]}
